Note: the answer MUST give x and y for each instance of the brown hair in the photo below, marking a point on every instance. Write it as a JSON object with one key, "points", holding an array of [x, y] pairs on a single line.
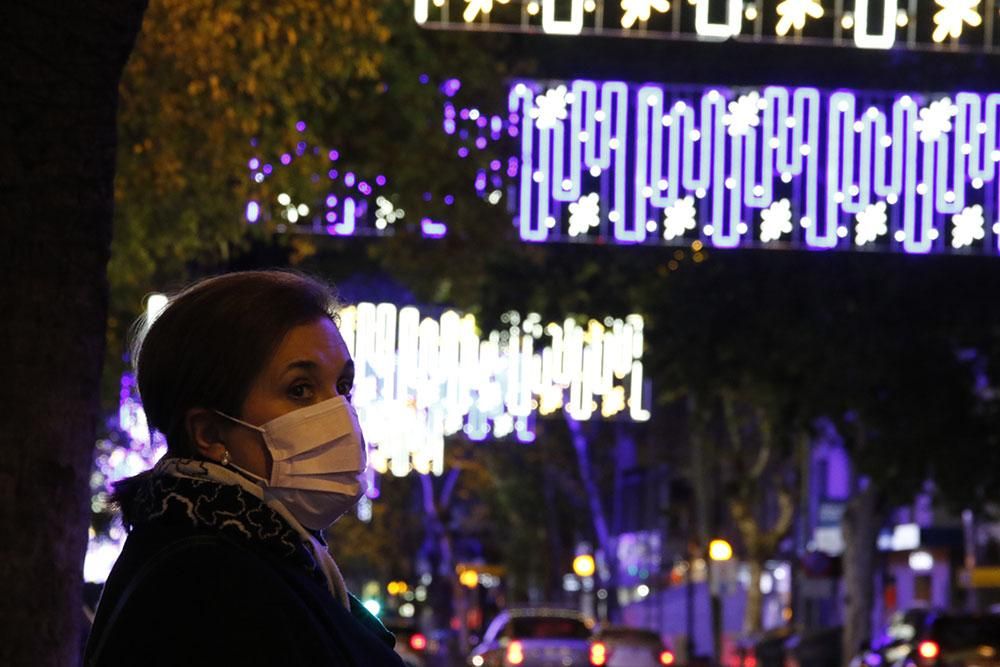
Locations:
{"points": [[212, 340]]}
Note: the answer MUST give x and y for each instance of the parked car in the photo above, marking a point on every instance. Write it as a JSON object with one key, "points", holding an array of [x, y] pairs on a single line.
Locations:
{"points": [[535, 638], [891, 645], [955, 640], [621, 646], [931, 638]]}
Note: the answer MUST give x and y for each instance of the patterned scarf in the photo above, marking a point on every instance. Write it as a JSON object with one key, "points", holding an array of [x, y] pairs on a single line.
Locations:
{"points": [[206, 495]]}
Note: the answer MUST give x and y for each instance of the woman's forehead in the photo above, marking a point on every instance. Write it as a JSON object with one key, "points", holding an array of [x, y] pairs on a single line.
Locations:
{"points": [[318, 341]]}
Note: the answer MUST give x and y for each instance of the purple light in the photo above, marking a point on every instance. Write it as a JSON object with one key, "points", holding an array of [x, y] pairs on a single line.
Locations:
{"points": [[480, 143], [463, 152], [449, 200], [433, 229], [427, 196], [253, 142], [333, 155], [449, 126], [253, 212], [450, 87], [349, 179], [495, 165], [798, 167], [300, 126], [332, 174], [286, 159], [267, 168], [481, 121], [496, 124], [464, 114], [480, 181], [331, 216], [463, 134], [254, 163], [300, 148], [331, 201], [380, 180], [449, 110], [364, 188], [424, 78]]}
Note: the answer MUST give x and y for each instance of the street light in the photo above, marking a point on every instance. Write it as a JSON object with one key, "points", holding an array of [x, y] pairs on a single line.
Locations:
{"points": [[469, 578], [583, 565], [719, 551]]}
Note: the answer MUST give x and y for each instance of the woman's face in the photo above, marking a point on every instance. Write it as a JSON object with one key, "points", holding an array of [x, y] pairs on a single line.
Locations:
{"points": [[311, 364]]}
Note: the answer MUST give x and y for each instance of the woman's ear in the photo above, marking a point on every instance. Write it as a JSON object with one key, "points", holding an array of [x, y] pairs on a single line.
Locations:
{"points": [[204, 433]]}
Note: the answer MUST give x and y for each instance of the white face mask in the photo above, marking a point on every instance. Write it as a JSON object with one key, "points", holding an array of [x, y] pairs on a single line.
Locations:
{"points": [[319, 458]]}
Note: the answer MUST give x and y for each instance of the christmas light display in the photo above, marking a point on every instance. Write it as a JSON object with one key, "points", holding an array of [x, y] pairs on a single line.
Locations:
{"points": [[868, 24], [420, 379], [771, 167]]}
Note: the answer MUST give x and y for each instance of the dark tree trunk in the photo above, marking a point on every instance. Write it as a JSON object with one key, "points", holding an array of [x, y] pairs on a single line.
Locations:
{"points": [[861, 523], [60, 64]]}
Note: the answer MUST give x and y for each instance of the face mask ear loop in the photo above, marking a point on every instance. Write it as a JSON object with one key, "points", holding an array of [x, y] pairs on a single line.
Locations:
{"points": [[238, 421]]}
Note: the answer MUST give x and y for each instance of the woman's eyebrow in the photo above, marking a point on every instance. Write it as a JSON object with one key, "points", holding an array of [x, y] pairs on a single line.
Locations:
{"points": [[301, 364]]}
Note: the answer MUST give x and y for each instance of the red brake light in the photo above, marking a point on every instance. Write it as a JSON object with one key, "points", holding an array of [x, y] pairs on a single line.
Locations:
{"points": [[929, 650], [515, 653], [666, 658], [598, 653], [418, 642]]}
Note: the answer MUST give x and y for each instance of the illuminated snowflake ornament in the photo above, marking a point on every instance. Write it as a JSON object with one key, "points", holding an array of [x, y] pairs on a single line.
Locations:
{"points": [[550, 108], [950, 19], [776, 220], [474, 8], [678, 218], [794, 13], [641, 10], [386, 212], [744, 114], [935, 119], [967, 226], [872, 223], [584, 214]]}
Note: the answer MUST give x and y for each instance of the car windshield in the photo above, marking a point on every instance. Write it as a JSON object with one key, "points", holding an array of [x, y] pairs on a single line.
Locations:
{"points": [[633, 635], [548, 627], [959, 632]]}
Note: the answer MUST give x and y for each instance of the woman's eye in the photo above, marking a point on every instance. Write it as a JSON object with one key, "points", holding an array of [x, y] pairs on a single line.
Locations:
{"points": [[300, 391]]}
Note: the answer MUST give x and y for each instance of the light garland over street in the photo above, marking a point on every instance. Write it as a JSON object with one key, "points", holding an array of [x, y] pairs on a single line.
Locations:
{"points": [[961, 24]]}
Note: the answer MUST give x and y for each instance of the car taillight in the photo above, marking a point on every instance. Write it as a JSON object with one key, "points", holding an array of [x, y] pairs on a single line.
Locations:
{"points": [[515, 653], [928, 650], [418, 642], [598, 653], [666, 658]]}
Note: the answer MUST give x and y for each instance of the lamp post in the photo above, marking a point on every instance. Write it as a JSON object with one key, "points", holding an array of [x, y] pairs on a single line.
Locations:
{"points": [[719, 551], [585, 567]]}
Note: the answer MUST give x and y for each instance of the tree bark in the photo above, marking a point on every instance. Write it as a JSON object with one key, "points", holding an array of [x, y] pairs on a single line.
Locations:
{"points": [[590, 487], [60, 65], [861, 523]]}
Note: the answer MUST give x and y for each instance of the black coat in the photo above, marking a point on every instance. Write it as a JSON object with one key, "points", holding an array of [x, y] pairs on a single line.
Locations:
{"points": [[182, 595]]}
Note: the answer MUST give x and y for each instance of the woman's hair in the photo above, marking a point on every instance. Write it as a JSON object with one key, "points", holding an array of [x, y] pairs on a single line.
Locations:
{"points": [[212, 340]]}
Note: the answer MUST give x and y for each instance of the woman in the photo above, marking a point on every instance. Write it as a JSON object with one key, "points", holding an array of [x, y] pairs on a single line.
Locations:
{"points": [[249, 380]]}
